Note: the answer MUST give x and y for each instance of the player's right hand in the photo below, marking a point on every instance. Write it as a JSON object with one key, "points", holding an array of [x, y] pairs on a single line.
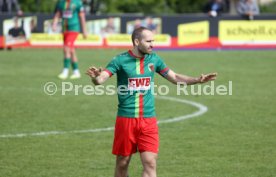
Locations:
{"points": [[85, 35], [93, 72]]}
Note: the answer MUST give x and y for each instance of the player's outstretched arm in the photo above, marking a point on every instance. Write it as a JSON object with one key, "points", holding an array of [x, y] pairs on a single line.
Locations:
{"points": [[179, 78], [97, 75], [55, 20]]}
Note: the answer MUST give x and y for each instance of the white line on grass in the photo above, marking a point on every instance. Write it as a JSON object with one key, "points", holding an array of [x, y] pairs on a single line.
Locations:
{"points": [[201, 110]]}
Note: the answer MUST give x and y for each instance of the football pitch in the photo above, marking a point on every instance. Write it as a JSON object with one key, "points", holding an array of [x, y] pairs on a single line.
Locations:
{"points": [[70, 135]]}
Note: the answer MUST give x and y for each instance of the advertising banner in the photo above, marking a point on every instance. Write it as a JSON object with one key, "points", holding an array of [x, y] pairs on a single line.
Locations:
{"points": [[247, 32], [193, 33], [42, 39], [125, 40]]}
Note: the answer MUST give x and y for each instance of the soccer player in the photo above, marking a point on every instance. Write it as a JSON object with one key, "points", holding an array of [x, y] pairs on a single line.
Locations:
{"points": [[136, 124], [72, 14]]}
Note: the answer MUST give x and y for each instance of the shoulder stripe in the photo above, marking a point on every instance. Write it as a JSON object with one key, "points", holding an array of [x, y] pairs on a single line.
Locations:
{"points": [[164, 70]]}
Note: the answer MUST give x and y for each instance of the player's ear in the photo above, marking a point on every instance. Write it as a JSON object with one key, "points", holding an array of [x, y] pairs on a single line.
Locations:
{"points": [[136, 42]]}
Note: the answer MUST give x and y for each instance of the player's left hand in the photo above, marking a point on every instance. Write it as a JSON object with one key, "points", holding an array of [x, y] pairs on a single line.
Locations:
{"points": [[207, 77]]}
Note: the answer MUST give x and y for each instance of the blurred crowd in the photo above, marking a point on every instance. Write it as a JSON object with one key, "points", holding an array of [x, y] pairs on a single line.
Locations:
{"points": [[245, 8], [8, 6], [213, 8]]}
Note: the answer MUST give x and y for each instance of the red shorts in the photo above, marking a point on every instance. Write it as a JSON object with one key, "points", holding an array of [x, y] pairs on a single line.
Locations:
{"points": [[69, 38], [132, 134]]}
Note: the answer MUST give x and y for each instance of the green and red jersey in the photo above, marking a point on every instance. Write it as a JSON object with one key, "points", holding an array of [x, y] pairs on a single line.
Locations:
{"points": [[69, 10], [135, 80]]}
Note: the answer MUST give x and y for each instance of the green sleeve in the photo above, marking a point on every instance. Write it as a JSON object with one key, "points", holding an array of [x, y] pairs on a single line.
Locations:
{"points": [[80, 7], [161, 67], [113, 67], [58, 6]]}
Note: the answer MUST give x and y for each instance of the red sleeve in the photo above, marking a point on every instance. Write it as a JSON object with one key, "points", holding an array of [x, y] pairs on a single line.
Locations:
{"points": [[109, 72]]}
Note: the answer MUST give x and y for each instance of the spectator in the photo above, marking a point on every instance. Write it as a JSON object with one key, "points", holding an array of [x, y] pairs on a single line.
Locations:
{"points": [[33, 26], [248, 8], [132, 25], [17, 32], [214, 7], [109, 28], [137, 23], [6, 6], [151, 25]]}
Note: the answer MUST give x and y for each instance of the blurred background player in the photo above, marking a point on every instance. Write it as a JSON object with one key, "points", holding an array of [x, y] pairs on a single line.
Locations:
{"points": [[72, 14]]}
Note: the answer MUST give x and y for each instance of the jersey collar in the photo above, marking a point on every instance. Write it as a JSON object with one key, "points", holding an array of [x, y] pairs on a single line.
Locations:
{"points": [[133, 55]]}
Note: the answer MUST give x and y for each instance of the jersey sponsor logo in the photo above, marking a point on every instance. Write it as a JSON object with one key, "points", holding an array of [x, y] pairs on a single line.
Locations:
{"points": [[67, 14], [140, 83], [151, 67]]}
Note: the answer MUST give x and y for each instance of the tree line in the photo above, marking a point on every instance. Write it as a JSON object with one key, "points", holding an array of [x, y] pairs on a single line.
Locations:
{"points": [[145, 7], [121, 6]]}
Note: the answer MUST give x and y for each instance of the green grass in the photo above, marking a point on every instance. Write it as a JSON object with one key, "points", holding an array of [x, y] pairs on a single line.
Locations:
{"points": [[235, 138]]}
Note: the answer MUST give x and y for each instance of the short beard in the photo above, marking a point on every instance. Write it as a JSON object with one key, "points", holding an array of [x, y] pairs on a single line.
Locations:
{"points": [[142, 52]]}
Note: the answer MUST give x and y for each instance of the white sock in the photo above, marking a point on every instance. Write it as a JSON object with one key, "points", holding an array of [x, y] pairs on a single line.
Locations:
{"points": [[65, 71], [76, 71]]}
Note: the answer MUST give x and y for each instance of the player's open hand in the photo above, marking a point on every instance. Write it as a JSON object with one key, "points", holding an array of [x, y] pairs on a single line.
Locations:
{"points": [[207, 77], [93, 72]]}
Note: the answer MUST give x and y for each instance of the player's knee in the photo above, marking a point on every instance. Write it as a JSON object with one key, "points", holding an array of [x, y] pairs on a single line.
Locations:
{"points": [[72, 50], [122, 162], [149, 163], [66, 49], [122, 165]]}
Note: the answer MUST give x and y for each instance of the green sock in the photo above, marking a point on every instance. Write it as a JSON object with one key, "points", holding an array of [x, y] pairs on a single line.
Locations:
{"points": [[66, 62], [75, 65]]}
